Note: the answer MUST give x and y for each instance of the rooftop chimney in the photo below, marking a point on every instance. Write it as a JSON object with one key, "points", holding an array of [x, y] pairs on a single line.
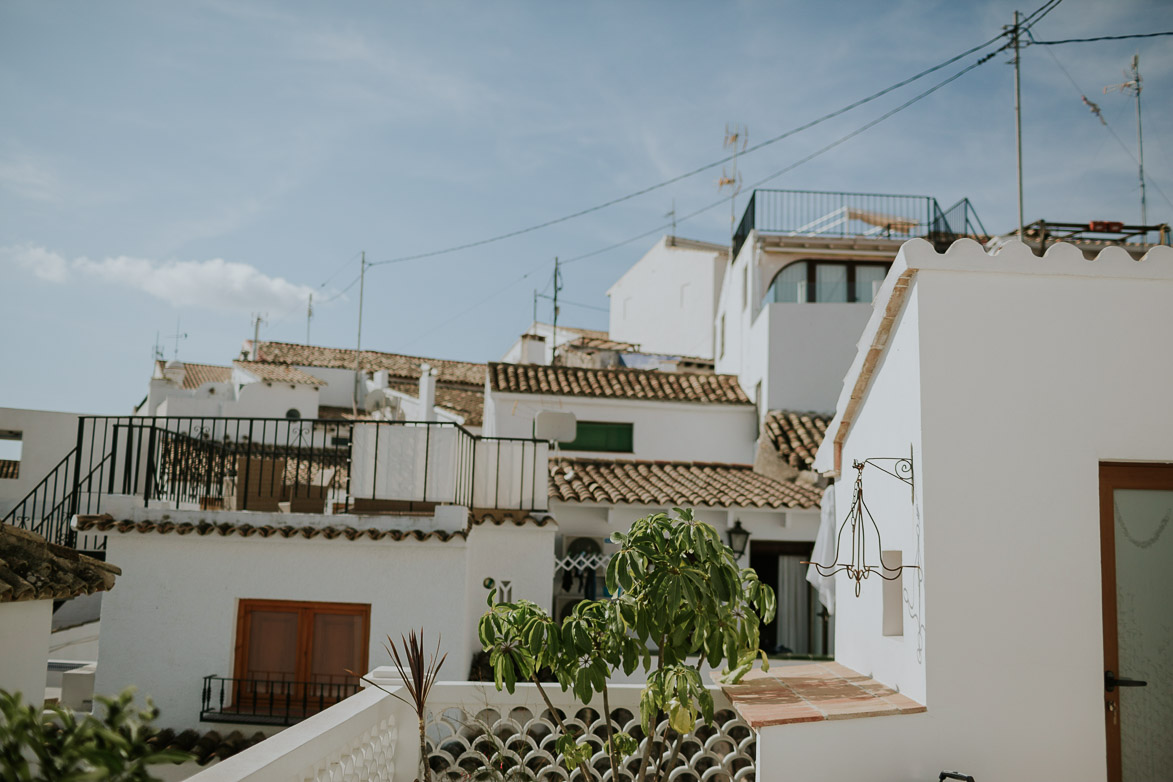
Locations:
{"points": [[175, 371], [428, 392], [533, 349]]}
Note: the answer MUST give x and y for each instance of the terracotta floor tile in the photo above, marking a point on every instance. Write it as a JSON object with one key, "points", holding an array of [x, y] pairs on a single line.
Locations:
{"points": [[814, 692]]}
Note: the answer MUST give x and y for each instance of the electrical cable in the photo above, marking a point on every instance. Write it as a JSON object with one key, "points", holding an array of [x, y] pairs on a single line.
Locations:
{"points": [[1102, 38], [806, 159], [695, 171], [1104, 121]]}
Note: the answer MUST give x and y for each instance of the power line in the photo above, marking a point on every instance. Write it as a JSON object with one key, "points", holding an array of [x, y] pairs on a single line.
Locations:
{"points": [[695, 171], [1104, 121], [1101, 38]]}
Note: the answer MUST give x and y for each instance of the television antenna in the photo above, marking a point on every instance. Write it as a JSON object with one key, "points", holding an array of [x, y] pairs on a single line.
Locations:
{"points": [[737, 139], [1133, 86], [178, 335]]}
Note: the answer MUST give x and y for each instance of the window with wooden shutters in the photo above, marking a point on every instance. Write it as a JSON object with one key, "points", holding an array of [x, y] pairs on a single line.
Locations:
{"points": [[298, 653]]}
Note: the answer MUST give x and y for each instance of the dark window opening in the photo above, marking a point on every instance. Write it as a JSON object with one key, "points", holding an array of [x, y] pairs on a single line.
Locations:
{"points": [[826, 282], [602, 436]]}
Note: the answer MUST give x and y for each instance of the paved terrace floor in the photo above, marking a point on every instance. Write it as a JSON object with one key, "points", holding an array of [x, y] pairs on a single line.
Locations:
{"points": [[812, 693]]}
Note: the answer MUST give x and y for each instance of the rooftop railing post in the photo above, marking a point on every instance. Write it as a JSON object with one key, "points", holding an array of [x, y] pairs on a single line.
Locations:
{"points": [[71, 536], [149, 479]]}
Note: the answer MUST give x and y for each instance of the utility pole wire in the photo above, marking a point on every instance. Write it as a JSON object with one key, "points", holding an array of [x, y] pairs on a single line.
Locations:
{"points": [[1101, 38], [695, 171]]}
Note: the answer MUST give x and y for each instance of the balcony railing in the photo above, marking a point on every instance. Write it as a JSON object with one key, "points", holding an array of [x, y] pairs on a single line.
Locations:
{"points": [[280, 465], [814, 213], [270, 701]]}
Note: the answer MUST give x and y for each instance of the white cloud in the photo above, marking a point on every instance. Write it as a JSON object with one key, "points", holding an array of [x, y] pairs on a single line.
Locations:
{"points": [[44, 264], [212, 284]]}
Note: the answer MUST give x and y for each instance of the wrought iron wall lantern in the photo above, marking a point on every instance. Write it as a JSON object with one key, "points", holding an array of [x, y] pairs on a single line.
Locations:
{"points": [[859, 517], [738, 539]]}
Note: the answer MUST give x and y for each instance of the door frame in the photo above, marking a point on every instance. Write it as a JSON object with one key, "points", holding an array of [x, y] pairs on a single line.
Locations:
{"points": [[1119, 475]]}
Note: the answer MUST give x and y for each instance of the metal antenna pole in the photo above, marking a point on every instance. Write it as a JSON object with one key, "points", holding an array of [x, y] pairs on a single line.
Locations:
{"points": [[554, 340], [309, 313], [1133, 85], [362, 281], [257, 321], [1018, 120], [1144, 209]]}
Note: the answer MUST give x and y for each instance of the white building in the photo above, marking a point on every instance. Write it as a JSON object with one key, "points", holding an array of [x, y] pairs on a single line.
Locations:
{"points": [[34, 574], [1030, 396]]}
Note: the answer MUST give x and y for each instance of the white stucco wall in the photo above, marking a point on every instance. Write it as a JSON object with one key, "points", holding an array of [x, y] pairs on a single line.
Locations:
{"points": [[666, 302], [24, 647], [662, 430], [172, 619], [46, 437], [1032, 372]]}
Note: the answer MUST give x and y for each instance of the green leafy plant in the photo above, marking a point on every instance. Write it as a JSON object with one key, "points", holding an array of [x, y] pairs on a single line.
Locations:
{"points": [[57, 745], [676, 589], [418, 675]]}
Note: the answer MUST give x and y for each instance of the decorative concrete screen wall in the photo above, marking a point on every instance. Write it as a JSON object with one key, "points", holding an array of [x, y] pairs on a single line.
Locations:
{"points": [[514, 737]]}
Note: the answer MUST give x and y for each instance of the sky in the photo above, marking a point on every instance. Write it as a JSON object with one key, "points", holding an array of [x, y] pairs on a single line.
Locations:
{"points": [[175, 168]]}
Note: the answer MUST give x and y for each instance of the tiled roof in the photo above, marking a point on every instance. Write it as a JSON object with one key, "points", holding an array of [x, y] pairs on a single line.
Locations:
{"points": [[195, 375], [33, 569], [206, 747], [342, 414], [396, 364], [499, 518], [616, 383], [674, 483], [601, 343], [278, 373], [10, 468], [106, 523], [466, 402], [796, 436]]}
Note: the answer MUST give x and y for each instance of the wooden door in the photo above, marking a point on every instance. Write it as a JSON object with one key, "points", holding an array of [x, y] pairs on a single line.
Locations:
{"points": [[1136, 549]]}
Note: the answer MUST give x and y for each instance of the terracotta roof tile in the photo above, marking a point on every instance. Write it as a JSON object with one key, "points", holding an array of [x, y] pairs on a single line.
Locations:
{"points": [[278, 373], [33, 569], [796, 436], [616, 383], [674, 484], [106, 523], [396, 364], [468, 402], [10, 468], [195, 375], [206, 747]]}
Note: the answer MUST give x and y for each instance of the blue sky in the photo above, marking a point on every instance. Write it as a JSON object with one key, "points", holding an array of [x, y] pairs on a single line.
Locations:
{"points": [[202, 161]]}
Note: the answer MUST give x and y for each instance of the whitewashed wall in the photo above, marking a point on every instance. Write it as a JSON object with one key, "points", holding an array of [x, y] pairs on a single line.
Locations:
{"points": [[800, 353], [1032, 372], [47, 436], [172, 619], [24, 647], [666, 302], [662, 430]]}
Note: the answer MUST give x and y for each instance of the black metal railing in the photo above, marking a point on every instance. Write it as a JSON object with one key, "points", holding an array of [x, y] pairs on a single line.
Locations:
{"points": [[278, 464], [817, 213], [271, 701]]}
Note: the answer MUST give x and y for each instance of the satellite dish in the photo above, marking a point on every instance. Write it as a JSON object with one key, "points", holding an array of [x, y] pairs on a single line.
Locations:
{"points": [[555, 425]]}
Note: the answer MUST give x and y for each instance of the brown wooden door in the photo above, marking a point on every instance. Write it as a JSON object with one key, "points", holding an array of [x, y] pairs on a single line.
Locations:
{"points": [[294, 656], [1136, 507]]}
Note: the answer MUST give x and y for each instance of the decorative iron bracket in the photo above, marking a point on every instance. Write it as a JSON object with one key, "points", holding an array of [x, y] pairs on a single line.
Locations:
{"points": [[857, 567]]}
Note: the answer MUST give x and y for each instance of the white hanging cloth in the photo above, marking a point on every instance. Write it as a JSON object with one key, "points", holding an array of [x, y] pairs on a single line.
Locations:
{"points": [[824, 552]]}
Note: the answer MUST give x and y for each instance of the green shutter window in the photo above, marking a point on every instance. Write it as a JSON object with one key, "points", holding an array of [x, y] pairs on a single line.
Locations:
{"points": [[601, 436]]}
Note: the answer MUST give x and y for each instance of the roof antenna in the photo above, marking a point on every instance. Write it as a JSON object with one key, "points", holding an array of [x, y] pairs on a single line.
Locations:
{"points": [[736, 138], [309, 314], [158, 349], [1133, 86], [178, 335], [672, 213]]}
